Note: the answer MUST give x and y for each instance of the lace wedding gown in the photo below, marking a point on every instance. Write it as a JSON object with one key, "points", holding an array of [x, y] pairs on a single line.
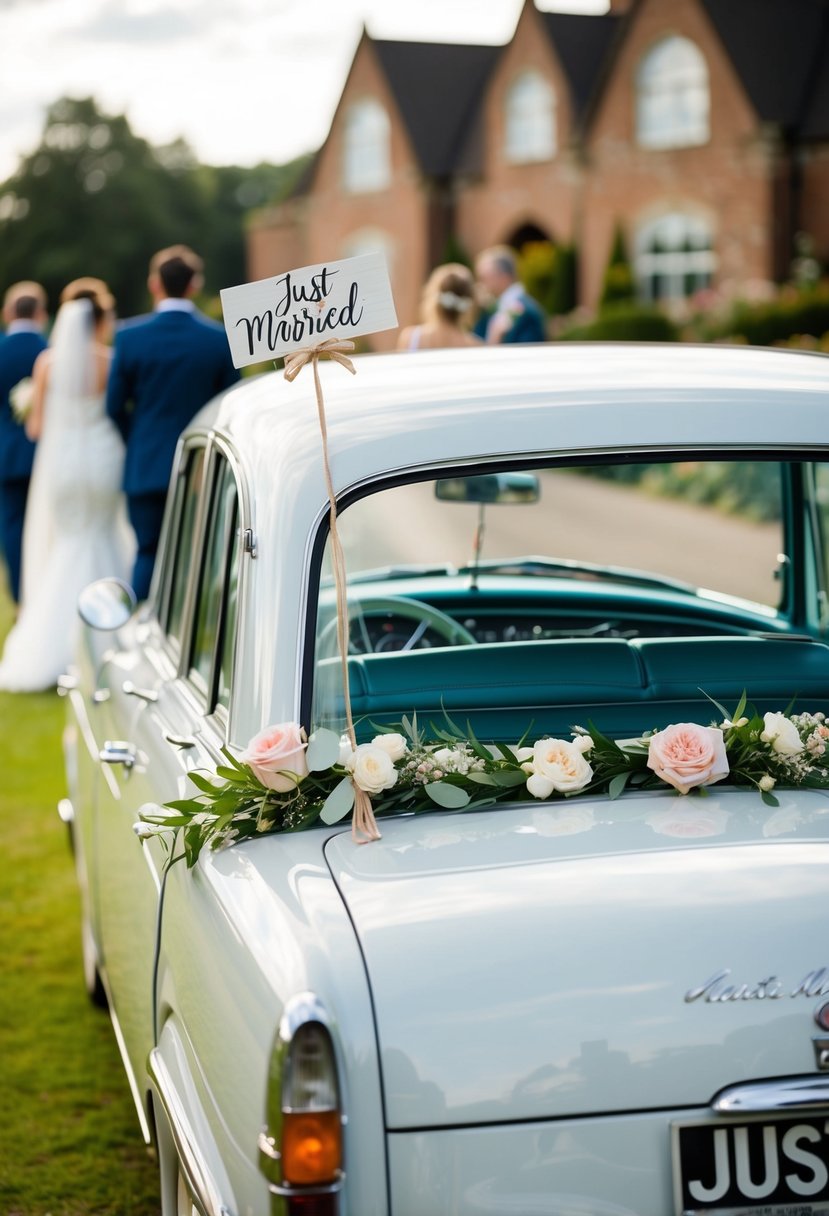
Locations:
{"points": [[75, 529]]}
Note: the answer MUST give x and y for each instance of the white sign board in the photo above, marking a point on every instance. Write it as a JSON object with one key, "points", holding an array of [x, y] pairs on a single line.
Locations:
{"points": [[304, 307]]}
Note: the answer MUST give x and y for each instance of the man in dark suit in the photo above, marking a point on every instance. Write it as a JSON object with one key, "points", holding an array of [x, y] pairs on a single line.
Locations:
{"points": [[513, 316], [24, 315], [165, 367]]}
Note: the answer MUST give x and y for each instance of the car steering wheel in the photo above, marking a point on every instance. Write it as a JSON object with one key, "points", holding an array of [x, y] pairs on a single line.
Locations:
{"points": [[424, 615]]}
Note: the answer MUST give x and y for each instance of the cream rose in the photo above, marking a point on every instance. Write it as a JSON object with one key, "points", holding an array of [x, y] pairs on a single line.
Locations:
{"points": [[557, 764], [372, 768], [686, 755], [277, 756], [395, 745], [782, 734]]}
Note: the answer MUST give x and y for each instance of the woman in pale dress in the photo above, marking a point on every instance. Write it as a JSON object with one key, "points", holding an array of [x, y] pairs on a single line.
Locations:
{"points": [[74, 530], [446, 309]]}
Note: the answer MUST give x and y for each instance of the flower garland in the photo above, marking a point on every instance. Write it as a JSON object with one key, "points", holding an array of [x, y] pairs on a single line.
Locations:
{"points": [[283, 781]]}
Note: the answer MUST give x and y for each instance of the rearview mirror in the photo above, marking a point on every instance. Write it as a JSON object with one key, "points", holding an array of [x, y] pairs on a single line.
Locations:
{"points": [[490, 488], [106, 604]]}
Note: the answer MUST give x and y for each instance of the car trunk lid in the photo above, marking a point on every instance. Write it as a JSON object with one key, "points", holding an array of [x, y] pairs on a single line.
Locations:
{"points": [[589, 956]]}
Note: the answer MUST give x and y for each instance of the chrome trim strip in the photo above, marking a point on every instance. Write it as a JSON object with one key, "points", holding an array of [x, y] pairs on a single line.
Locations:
{"points": [[200, 1181], [785, 1093]]}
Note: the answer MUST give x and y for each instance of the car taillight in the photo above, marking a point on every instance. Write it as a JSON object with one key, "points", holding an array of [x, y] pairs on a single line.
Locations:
{"points": [[301, 1149]]}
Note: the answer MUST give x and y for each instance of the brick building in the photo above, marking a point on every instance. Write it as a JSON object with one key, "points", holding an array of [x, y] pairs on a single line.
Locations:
{"points": [[700, 126]]}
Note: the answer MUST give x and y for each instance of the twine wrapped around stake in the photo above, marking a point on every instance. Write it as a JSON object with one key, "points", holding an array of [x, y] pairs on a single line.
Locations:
{"points": [[363, 824]]}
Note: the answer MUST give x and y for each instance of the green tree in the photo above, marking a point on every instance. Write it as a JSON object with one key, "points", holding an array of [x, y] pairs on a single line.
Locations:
{"points": [[618, 285]]}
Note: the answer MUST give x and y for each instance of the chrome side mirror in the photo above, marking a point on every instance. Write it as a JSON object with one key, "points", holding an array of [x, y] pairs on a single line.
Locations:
{"points": [[106, 604]]}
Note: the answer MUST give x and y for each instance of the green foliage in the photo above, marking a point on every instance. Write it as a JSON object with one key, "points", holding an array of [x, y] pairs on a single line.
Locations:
{"points": [[625, 323], [792, 313], [455, 251], [618, 285], [71, 1142], [750, 489], [95, 199], [548, 272]]}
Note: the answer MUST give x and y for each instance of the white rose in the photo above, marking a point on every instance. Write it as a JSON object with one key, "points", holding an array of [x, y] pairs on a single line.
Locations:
{"points": [[767, 783], [346, 751], [395, 745], [782, 734], [372, 768], [558, 765]]}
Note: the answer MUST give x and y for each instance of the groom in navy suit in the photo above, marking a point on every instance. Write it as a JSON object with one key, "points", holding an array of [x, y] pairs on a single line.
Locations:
{"points": [[24, 315], [512, 315], [165, 367]]}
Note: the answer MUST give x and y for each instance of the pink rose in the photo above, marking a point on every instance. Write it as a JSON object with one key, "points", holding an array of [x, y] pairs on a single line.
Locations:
{"points": [[276, 753], [685, 755]]}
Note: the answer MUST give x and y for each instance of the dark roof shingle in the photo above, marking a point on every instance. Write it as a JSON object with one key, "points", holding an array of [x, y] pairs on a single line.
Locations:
{"points": [[437, 87]]}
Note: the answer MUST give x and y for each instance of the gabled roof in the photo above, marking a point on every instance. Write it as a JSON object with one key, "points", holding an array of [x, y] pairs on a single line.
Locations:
{"points": [[438, 87], [779, 51], [582, 45]]}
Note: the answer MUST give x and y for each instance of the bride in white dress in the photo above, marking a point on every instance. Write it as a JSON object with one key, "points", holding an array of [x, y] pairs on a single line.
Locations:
{"points": [[75, 527]]}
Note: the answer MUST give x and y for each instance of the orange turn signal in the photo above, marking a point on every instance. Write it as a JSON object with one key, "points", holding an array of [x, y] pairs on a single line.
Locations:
{"points": [[311, 1147]]}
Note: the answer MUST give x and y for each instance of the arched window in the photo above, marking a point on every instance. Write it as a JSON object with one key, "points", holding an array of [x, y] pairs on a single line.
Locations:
{"points": [[672, 96], [674, 257], [366, 151], [530, 119]]}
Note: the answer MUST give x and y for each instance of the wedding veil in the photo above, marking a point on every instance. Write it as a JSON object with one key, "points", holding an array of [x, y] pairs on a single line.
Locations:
{"points": [[71, 381]]}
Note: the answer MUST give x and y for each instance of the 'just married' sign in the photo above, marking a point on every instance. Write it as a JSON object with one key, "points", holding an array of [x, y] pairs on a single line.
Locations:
{"points": [[304, 307]]}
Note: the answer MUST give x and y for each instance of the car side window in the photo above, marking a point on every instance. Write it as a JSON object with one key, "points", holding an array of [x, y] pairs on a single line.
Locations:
{"points": [[211, 650], [184, 526]]}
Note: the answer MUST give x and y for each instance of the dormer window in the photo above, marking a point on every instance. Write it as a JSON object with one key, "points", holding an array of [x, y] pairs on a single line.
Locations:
{"points": [[530, 120], [672, 96], [366, 147]]}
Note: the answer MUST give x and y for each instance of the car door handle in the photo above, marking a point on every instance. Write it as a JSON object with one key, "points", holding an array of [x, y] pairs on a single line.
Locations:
{"points": [[146, 694], [181, 740], [117, 751]]}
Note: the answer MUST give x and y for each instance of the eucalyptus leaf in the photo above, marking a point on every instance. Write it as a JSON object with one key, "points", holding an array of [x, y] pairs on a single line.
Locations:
{"points": [[450, 796], [323, 750], [509, 777], [618, 784], [339, 802]]}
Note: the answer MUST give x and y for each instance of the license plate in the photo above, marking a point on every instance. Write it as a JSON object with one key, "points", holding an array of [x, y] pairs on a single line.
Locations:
{"points": [[759, 1167]]}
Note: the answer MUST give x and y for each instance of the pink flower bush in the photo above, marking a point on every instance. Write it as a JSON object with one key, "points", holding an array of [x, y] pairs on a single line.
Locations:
{"points": [[686, 755], [277, 756]]}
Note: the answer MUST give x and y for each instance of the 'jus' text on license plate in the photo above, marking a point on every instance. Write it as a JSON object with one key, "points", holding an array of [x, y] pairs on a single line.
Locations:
{"points": [[753, 1165]]}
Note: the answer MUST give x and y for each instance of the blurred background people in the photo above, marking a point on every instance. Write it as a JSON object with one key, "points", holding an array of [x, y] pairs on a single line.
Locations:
{"points": [[24, 315], [447, 308], [165, 368], [510, 313], [74, 531]]}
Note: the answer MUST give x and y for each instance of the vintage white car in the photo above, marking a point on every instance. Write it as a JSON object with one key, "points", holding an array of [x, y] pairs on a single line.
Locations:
{"points": [[555, 985]]}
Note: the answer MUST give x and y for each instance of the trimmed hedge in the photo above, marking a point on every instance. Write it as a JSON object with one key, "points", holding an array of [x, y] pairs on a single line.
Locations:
{"points": [[774, 321], [625, 323]]}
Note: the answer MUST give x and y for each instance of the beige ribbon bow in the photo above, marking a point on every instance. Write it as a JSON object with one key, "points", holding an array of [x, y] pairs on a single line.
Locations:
{"points": [[363, 824]]}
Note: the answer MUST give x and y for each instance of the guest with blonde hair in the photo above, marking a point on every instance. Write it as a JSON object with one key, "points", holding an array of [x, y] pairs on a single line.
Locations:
{"points": [[446, 310]]}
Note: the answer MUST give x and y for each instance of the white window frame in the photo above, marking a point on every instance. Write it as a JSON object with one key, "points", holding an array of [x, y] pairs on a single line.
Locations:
{"points": [[529, 119], [366, 147], [673, 98], [686, 252]]}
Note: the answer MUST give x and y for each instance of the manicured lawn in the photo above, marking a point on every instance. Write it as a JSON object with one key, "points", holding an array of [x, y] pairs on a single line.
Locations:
{"points": [[69, 1139]]}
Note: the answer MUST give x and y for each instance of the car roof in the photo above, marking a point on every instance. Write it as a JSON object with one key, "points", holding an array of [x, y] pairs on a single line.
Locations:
{"points": [[407, 414], [404, 410]]}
